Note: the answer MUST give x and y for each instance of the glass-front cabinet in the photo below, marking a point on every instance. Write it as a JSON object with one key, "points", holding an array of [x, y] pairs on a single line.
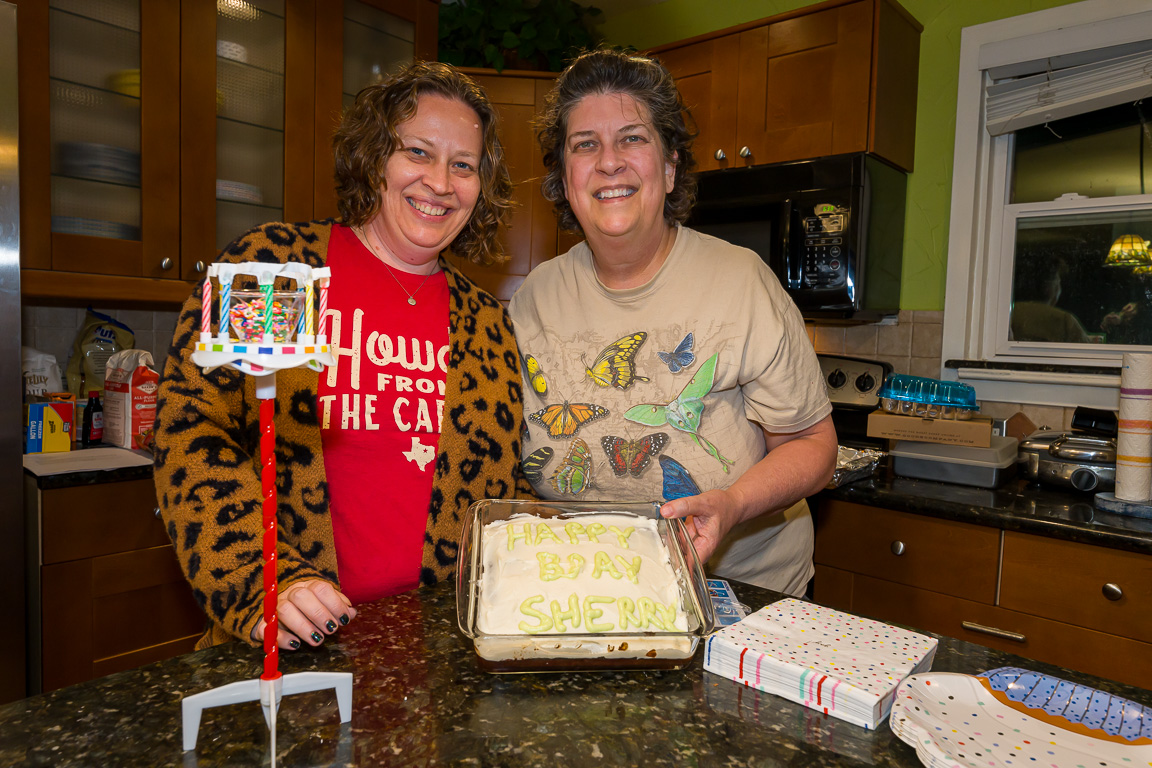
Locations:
{"points": [[249, 116], [98, 163], [94, 76], [153, 132]]}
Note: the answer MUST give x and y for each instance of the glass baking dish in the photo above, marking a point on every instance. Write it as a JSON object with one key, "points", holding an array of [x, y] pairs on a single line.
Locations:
{"points": [[565, 651]]}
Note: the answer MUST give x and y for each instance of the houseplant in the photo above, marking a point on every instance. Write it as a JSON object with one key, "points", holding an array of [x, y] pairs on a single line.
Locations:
{"points": [[523, 34]]}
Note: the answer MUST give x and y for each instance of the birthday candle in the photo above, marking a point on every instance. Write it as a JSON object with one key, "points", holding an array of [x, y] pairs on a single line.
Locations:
{"points": [[300, 318], [324, 306], [268, 309], [225, 295], [308, 307], [206, 307]]}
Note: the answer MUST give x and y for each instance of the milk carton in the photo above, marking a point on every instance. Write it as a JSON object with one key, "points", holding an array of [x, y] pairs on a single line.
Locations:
{"points": [[130, 387]]}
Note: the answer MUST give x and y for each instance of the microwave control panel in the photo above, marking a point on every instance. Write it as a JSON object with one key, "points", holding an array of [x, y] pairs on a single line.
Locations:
{"points": [[824, 254]]}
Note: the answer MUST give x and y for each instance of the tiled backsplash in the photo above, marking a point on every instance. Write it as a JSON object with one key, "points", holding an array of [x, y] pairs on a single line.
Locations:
{"points": [[912, 345], [53, 330]]}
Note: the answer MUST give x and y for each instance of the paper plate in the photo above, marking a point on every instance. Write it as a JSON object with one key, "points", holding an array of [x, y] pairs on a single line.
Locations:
{"points": [[1015, 717]]}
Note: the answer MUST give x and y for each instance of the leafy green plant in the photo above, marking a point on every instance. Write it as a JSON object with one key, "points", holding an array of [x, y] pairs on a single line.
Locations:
{"points": [[527, 34]]}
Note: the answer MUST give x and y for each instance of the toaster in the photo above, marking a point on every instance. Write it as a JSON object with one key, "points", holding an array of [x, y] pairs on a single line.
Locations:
{"points": [[1069, 459]]}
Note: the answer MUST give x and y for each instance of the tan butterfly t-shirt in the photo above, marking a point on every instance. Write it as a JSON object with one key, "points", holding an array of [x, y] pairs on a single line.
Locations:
{"points": [[660, 391]]}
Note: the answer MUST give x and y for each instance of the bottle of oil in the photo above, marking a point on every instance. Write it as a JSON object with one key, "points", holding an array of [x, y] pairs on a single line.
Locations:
{"points": [[93, 433]]}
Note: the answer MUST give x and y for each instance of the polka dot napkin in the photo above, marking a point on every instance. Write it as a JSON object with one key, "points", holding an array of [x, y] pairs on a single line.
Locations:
{"points": [[843, 665]]}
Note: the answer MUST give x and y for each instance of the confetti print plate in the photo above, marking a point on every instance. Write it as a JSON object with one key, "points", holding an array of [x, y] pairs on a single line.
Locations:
{"points": [[1016, 718]]}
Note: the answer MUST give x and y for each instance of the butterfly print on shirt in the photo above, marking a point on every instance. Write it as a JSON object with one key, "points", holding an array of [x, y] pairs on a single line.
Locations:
{"points": [[632, 456], [565, 419], [615, 365]]}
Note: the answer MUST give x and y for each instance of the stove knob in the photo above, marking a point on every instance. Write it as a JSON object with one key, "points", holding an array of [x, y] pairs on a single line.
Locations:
{"points": [[836, 379], [865, 382]]}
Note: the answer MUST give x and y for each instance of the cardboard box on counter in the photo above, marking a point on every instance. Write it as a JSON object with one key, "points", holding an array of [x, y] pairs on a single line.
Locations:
{"points": [[976, 432], [48, 427]]}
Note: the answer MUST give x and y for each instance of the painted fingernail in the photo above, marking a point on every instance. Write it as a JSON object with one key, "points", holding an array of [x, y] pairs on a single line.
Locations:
{"points": [[294, 644], [330, 626], [344, 619], [316, 637]]}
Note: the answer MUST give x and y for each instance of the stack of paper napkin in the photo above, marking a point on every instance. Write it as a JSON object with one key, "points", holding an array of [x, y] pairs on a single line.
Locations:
{"points": [[831, 661]]}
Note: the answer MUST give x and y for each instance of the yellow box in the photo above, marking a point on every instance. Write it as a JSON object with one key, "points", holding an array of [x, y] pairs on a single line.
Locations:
{"points": [[976, 432], [48, 427]]}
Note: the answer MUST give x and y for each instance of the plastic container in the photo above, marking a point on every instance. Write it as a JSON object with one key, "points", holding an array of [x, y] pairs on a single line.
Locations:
{"points": [[961, 464], [246, 315], [928, 398], [560, 652]]}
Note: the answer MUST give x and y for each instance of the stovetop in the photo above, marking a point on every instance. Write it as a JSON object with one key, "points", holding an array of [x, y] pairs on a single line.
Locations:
{"points": [[853, 382]]}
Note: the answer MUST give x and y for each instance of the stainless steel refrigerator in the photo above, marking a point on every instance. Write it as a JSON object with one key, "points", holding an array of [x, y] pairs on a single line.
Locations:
{"points": [[13, 646]]}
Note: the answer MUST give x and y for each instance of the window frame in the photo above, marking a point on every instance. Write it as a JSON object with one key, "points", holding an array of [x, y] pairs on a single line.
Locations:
{"points": [[982, 230]]}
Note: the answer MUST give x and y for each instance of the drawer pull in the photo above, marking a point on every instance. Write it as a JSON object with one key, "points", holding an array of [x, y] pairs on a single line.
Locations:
{"points": [[156, 512], [897, 548], [974, 627], [1112, 591]]}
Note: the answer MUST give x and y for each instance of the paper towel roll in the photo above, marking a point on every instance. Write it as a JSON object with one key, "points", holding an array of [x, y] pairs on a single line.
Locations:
{"points": [[1134, 441]]}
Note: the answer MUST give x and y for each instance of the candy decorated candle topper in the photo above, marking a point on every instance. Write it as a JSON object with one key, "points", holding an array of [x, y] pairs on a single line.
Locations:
{"points": [[264, 330], [261, 331]]}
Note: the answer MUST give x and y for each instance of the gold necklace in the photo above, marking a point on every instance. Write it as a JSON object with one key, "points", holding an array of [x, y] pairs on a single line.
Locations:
{"points": [[363, 234]]}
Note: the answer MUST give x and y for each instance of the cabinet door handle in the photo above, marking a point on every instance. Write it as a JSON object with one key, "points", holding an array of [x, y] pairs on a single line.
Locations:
{"points": [[974, 627], [720, 155], [156, 512], [898, 548], [166, 263], [199, 266], [1112, 591], [745, 152]]}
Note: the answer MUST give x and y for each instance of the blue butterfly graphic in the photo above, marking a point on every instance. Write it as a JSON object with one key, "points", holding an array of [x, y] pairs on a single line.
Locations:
{"points": [[677, 482], [679, 358]]}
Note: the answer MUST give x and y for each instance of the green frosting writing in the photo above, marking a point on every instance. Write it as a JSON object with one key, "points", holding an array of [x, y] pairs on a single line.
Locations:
{"points": [[642, 614], [552, 569]]}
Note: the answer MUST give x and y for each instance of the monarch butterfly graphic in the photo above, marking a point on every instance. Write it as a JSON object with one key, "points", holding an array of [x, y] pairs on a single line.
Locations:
{"points": [[632, 456], [679, 358], [535, 375], [614, 366], [574, 474], [535, 462], [677, 482], [565, 419]]}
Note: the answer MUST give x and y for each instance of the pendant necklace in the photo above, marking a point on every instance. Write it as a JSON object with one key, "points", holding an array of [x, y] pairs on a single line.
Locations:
{"points": [[411, 296]]}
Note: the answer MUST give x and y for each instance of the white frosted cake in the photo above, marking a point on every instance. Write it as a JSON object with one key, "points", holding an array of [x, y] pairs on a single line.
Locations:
{"points": [[596, 574]]}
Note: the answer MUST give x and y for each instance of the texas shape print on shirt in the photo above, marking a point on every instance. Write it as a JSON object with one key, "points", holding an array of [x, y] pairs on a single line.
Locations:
{"points": [[420, 454]]}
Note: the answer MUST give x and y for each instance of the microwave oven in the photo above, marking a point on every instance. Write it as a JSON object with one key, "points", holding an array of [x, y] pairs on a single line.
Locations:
{"points": [[831, 229]]}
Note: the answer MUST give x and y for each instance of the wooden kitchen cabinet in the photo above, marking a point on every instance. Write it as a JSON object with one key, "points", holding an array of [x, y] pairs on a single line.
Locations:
{"points": [[154, 132], [829, 79], [532, 236], [106, 591], [1038, 597]]}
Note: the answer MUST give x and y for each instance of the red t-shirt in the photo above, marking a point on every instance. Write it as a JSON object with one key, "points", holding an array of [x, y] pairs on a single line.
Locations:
{"points": [[380, 410]]}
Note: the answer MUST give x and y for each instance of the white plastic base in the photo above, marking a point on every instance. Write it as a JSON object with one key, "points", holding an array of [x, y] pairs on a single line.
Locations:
{"points": [[268, 693]]}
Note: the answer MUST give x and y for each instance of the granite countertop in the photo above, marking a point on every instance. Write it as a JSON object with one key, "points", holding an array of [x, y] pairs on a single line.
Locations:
{"points": [[419, 698], [1018, 505]]}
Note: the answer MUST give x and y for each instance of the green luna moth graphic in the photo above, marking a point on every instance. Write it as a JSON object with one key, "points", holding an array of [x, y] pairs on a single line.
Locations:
{"points": [[685, 412]]}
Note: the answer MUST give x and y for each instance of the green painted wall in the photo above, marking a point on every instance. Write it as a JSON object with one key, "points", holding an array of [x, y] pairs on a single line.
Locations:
{"points": [[930, 185]]}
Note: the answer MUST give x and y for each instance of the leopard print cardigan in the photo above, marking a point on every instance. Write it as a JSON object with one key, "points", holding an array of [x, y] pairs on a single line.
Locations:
{"points": [[207, 448]]}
